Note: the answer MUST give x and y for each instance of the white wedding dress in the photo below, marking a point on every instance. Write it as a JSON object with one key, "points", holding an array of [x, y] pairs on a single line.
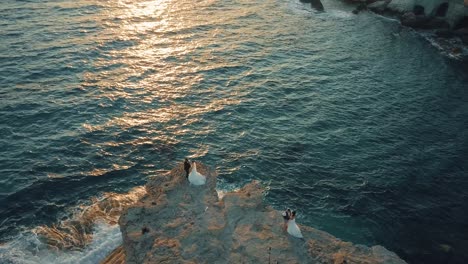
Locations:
{"points": [[196, 178], [293, 229]]}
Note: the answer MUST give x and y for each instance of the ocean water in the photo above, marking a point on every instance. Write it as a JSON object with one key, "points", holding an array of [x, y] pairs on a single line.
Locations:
{"points": [[359, 124]]}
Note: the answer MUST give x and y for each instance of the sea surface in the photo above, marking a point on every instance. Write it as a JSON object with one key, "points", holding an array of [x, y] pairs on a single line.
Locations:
{"points": [[357, 123]]}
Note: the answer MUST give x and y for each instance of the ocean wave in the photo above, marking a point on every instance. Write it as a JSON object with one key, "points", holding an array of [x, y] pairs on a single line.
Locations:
{"points": [[87, 236], [30, 248]]}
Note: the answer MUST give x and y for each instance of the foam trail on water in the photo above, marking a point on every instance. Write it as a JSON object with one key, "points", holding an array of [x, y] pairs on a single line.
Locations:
{"points": [[88, 236], [28, 248]]}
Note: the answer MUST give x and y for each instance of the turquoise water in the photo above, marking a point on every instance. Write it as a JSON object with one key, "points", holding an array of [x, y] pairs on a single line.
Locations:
{"points": [[356, 122]]}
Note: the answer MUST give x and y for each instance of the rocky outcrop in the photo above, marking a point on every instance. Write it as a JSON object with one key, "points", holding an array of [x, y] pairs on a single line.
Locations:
{"points": [[422, 21], [316, 4], [448, 20], [428, 13], [115, 257], [76, 232], [180, 223]]}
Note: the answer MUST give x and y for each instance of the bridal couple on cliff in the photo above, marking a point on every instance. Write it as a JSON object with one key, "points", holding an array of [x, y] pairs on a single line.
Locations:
{"points": [[191, 173], [290, 223]]}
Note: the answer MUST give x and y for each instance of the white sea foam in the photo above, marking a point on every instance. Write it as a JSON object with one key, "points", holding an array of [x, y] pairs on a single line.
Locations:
{"points": [[88, 236], [28, 248]]}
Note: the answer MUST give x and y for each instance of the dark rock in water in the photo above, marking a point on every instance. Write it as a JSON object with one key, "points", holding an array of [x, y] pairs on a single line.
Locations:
{"points": [[438, 22], [316, 4], [456, 50], [366, 2], [445, 33], [410, 19], [360, 8], [378, 6], [462, 31], [418, 10], [465, 39], [462, 23], [355, 1], [442, 10]]}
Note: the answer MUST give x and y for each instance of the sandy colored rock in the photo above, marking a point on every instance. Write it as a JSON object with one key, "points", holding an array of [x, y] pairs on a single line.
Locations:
{"points": [[180, 223]]}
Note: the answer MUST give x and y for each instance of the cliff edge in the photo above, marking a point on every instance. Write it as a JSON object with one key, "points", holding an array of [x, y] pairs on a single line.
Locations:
{"points": [[176, 222]]}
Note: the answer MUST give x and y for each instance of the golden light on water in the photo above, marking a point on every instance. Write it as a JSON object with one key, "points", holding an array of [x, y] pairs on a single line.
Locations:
{"points": [[152, 59], [153, 72]]}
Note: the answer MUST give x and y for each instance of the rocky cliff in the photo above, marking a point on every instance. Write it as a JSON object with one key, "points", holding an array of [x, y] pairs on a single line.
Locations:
{"points": [[428, 13], [180, 223], [446, 20], [452, 11]]}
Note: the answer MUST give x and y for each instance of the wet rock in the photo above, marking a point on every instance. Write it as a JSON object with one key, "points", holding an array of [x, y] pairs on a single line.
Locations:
{"points": [[441, 11], [462, 23], [359, 8], [378, 6], [438, 22], [401, 6], [418, 10], [410, 19], [445, 33], [180, 223], [464, 39], [463, 34], [316, 4]]}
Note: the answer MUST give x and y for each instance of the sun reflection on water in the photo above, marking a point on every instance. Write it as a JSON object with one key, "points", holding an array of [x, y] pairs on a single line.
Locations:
{"points": [[149, 63], [164, 74]]}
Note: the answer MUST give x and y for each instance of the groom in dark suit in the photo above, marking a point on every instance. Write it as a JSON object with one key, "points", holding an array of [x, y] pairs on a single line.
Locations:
{"points": [[187, 167]]}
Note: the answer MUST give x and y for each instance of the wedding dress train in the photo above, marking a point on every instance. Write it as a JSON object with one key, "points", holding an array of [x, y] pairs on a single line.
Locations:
{"points": [[293, 229], [195, 177]]}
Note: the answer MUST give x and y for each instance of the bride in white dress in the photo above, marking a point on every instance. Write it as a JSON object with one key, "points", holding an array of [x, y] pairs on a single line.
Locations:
{"points": [[195, 177], [293, 229]]}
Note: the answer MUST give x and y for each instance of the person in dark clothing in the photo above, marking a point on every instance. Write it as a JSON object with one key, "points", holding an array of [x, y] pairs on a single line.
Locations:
{"points": [[187, 167], [286, 217]]}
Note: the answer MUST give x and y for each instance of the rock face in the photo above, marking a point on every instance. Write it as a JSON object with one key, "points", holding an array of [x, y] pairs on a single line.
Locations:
{"points": [[448, 11], [180, 223], [410, 19], [448, 20]]}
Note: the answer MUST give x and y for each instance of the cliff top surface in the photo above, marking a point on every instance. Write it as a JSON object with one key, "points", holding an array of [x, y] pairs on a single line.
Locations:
{"points": [[180, 223]]}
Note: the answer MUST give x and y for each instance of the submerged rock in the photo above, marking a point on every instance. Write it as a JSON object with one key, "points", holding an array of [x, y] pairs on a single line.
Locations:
{"points": [[360, 8], [448, 13], [180, 223], [410, 19], [316, 4], [418, 10], [379, 6]]}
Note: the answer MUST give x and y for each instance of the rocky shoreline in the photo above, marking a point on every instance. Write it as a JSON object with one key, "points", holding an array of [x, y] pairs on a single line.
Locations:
{"points": [[445, 22], [179, 223]]}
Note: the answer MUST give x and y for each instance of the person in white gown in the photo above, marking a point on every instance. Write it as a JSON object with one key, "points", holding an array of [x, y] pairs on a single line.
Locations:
{"points": [[293, 229], [195, 177]]}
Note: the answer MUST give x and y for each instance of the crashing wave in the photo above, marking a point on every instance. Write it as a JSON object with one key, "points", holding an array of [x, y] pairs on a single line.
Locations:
{"points": [[86, 237]]}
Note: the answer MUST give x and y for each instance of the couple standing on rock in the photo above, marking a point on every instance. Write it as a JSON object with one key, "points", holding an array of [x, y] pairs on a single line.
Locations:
{"points": [[193, 176], [290, 223]]}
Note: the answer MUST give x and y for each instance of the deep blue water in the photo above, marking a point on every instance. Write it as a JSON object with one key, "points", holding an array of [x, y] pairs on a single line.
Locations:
{"points": [[358, 123]]}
